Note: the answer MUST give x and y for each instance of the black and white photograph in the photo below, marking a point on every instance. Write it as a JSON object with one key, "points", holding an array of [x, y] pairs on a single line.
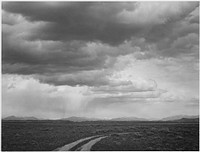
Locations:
{"points": [[100, 76]]}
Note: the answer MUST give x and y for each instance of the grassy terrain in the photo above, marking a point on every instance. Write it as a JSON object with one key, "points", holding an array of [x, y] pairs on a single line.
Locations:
{"points": [[49, 135], [154, 137]]}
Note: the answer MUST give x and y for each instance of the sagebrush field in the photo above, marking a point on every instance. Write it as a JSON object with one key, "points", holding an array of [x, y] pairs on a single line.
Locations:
{"points": [[49, 135]]}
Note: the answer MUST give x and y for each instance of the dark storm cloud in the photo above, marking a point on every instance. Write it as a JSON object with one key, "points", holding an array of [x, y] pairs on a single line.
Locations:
{"points": [[86, 21], [23, 56], [99, 21], [166, 35], [88, 78], [102, 58], [62, 42], [32, 57]]}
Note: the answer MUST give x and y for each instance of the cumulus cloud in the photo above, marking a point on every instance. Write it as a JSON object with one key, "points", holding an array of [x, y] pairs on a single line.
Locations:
{"points": [[187, 42], [80, 21], [92, 21], [87, 78], [126, 86], [161, 13], [21, 22], [99, 54], [32, 98]]}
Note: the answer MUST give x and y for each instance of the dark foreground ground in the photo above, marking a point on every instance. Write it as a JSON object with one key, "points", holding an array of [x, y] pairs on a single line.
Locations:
{"points": [[49, 135]]}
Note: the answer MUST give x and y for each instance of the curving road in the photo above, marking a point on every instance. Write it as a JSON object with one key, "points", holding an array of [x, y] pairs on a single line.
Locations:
{"points": [[85, 144], [89, 145], [73, 144]]}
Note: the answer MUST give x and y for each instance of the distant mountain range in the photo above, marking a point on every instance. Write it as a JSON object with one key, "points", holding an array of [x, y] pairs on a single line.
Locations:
{"points": [[129, 119], [79, 119], [178, 118], [172, 118], [20, 118], [188, 120]]}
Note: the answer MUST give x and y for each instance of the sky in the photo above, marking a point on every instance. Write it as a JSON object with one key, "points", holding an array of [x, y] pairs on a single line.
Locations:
{"points": [[100, 59]]}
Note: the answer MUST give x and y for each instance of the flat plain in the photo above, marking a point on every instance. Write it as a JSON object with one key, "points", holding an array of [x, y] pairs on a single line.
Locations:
{"points": [[50, 134]]}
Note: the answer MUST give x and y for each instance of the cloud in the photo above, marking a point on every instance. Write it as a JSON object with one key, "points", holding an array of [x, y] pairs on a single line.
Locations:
{"points": [[95, 55], [194, 16], [117, 86], [111, 23], [161, 13], [194, 102], [25, 55], [88, 78], [151, 108], [110, 98], [81, 21], [186, 42], [32, 98]]}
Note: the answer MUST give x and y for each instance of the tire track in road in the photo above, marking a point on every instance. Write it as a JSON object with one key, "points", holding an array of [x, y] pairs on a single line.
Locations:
{"points": [[82, 143], [85, 144], [89, 145], [73, 144]]}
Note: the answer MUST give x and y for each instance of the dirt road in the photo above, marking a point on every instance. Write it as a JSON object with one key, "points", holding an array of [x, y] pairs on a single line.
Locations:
{"points": [[73, 144], [85, 144], [89, 145]]}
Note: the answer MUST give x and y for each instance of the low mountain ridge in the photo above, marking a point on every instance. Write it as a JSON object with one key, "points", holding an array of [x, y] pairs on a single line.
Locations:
{"points": [[178, 117], [79, 119], [20, 118], [129, 119], [188, 120]]}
